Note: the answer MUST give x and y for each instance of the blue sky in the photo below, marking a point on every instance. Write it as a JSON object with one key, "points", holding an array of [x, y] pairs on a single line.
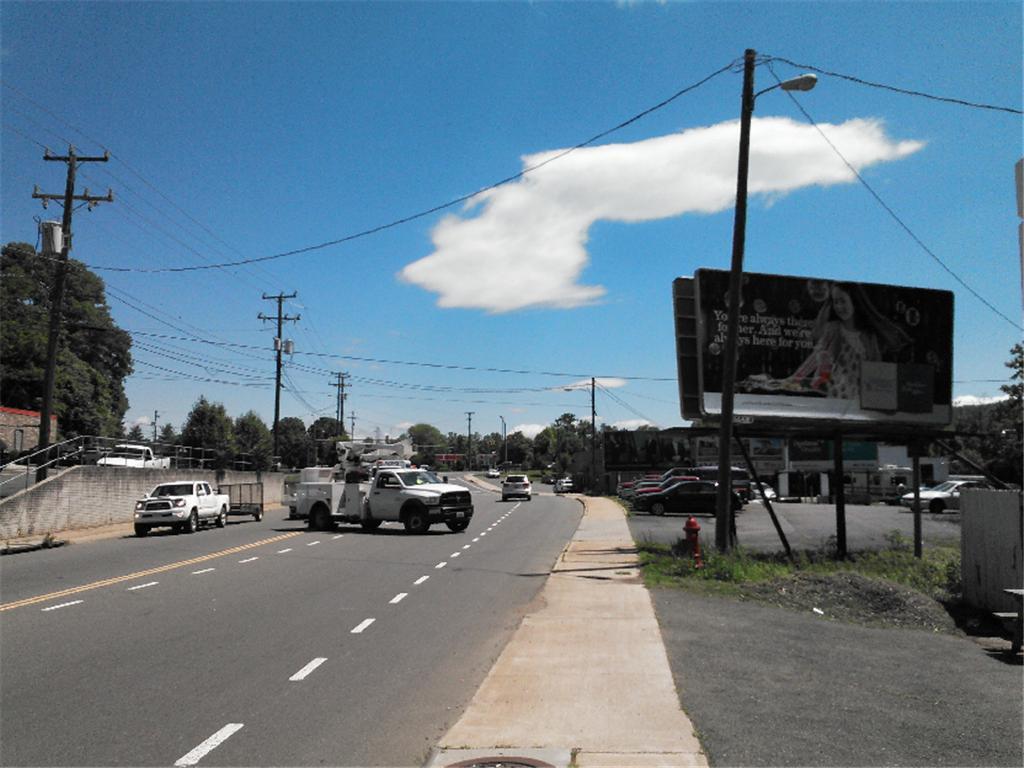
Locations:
{"points": [[246, 130]]}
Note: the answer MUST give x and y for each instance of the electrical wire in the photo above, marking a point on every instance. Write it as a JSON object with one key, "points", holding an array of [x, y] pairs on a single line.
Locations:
{"points": [[888, 209], [905, 91]]}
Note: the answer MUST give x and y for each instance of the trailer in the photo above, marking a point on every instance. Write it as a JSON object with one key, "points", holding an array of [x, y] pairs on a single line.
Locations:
{"points": [[244, 499]]}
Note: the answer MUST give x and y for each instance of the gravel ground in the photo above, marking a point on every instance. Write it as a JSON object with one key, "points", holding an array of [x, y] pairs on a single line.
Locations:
{"points": [[771, 686]]}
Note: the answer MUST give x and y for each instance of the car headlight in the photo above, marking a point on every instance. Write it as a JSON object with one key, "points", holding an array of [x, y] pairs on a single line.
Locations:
{"points": [[179, 502], [139, 505], [432, 501]]}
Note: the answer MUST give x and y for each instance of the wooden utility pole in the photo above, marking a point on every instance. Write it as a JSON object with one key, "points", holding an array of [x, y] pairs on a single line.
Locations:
{"points": [[340, 384], [278, 346], [57, 291]]}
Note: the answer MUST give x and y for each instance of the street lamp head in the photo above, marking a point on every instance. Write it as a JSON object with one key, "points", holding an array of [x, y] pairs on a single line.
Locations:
{"points": [[802, 83]]}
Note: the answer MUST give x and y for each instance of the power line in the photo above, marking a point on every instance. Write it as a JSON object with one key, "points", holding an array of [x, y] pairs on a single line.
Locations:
{"points": [[905, 91], [885, 206], [442, 206]]}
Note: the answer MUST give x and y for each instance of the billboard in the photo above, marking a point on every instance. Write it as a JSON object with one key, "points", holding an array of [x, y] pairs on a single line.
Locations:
{"points": [[813, 348]]}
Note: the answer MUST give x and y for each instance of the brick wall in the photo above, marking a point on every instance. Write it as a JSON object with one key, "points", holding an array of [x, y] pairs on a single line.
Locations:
{"points": [[27, 422], [87, 496]]}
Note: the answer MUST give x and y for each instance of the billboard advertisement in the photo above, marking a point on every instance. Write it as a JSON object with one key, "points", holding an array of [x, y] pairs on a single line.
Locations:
{"points": [[813, 348]]}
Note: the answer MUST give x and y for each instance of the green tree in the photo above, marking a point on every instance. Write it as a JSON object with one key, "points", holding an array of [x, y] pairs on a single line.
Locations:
{"points": [[208, 426], [135, 433], [253, 437], [293, 443], [168, 433], [428, 442], [93, 354], [324, 433]]}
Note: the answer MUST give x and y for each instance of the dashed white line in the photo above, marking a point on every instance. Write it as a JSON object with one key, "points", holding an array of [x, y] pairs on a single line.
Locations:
{"points": [[143, 586], [399, 598], [455, 554], [204, 570], [249, 559], [476, 539], [440, 565], [303, 673], [362, 625], [420, 580], [282, 551], [339, 536], [62, 605], [483, 533], [209, 745], [466, 546], [312, 543]]}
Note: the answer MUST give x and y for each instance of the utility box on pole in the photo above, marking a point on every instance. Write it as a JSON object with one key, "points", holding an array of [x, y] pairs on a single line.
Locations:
{"points": [[52, 237]]}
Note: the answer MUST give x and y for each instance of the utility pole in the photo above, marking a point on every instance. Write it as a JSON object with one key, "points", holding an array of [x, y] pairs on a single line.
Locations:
{"points": [[352, 418], [593, 435], [278, 345], [57, 293], [504, 438], [156, 415], [340, 384], [469, 440]]}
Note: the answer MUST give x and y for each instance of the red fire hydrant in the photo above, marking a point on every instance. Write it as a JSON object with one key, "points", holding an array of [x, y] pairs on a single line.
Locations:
{"points": [[692, 531]]}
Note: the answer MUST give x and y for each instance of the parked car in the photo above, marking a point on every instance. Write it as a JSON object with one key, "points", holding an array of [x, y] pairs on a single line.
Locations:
{"points": [[943, 496], [687, 497], [769, 492], [516, 486], [564, 485], [656, 486], [493, 472]]}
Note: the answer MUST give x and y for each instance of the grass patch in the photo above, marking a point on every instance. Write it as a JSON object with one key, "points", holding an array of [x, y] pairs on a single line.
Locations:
{"points": [[935, 574]]}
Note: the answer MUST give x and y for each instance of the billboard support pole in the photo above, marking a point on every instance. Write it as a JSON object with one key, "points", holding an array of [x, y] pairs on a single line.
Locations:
{"points": [[767, 502], [917, 505], [840, 498], [723, 509]]}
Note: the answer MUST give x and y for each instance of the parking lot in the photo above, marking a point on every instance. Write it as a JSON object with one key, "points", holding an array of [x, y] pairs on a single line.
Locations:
{"points": [[806, 526]]}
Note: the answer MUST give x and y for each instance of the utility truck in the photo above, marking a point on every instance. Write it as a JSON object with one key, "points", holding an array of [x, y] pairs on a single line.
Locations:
{"points": [[347, 493]]}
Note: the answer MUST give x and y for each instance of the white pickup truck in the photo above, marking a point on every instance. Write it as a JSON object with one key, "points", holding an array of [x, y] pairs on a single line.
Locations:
{"points": [[183, 505], [138, 456], [413, 497]]}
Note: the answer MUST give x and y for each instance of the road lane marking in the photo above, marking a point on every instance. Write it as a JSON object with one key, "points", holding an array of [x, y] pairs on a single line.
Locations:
{"points": [[203, 570], [143, 586], [455, 554], [282, 551], [362, 625], [63, 605], [249, 559], [209, 745], [440, 565], [312, 543], [140, 574], [303, 673], [339, 536], [483, 533], [466, 546], [420, 580], [476, 539], [398, 598]]}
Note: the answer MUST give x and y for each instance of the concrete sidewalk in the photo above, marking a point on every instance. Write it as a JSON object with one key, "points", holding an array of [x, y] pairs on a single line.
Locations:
{"points": [[585, 678]]}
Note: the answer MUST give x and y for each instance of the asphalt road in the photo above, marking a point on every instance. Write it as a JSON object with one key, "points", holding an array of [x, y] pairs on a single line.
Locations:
{"points": [[263, 643], [806, 526], [767, 686]]}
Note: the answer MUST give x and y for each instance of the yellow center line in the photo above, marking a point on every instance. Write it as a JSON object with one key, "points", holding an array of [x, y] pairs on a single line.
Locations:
{"points": [[139, 574]]}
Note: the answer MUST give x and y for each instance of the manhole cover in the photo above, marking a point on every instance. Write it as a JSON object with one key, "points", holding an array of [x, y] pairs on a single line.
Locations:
{"points": [[501, 762]]}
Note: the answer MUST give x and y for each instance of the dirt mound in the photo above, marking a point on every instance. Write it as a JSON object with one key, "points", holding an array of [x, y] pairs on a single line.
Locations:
{"points": [[855, 599]]}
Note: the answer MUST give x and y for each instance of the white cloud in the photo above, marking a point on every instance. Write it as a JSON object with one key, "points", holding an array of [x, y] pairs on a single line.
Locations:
{"points": [[529, 430], [978, 399], [527, 246], [608, 383]]}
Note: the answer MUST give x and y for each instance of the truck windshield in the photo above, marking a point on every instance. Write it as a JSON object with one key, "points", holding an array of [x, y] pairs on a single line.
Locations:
{"points": [[417, 477], [182, 489], [129, 453]]}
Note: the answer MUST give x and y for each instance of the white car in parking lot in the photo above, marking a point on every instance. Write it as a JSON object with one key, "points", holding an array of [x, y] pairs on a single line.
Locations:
{"points": [[516, 486], [944, 495]]}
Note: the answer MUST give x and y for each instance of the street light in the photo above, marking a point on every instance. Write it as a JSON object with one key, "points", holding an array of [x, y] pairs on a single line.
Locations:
{"points": [[723, 510], [504, 438]]}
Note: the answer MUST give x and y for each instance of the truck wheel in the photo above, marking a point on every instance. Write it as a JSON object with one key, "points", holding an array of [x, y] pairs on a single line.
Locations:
{"points": [[416, 520], [369, 524], [193, 523], [222, 517], [319, 518], [141, 530], [457, 526], [257, 516], [936, 506]]}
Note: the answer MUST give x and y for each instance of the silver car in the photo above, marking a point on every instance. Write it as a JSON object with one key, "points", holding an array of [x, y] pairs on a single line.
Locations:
{"points": [[514, 486], [944, 495]]}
